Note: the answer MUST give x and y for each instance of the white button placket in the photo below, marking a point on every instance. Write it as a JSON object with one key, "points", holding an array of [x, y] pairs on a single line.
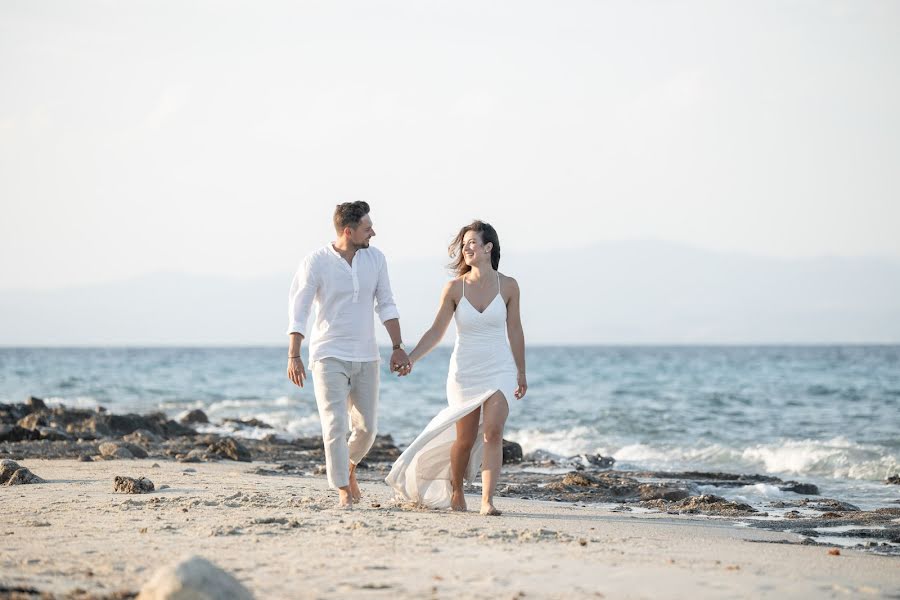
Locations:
{"points": [[355, 281]]}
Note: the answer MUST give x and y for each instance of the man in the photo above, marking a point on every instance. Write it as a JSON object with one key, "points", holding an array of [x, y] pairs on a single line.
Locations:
{"points": [[344, 279]]}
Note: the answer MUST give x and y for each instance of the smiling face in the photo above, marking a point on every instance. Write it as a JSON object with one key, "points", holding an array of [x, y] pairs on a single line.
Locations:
{"points": [[476, 244], [360, 236], [474, 251]]}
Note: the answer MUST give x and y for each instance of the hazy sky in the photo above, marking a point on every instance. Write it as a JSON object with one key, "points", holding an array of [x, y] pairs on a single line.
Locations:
{"points": [[216, 137]]}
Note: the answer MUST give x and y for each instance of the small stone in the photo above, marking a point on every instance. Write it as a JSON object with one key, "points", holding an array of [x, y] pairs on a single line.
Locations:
{"points": [[512, 452], [194, 456], [114, 450], [195, 578], [142, 436], [136, 450], [195, 416], [128, 485], [834, 552], [597, 460], [661, 491], [228, 448], [893, 480], [804, 489]]}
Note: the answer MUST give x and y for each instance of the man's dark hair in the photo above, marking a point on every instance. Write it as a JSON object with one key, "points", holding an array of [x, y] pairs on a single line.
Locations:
{"points": [[349, 214]]}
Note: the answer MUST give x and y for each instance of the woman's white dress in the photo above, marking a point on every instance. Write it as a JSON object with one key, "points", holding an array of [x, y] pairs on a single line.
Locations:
{"points": [[481, 364]]}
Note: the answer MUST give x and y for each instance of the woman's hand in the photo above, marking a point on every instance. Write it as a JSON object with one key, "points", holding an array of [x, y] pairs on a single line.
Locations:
{"points": [[521, 386]]}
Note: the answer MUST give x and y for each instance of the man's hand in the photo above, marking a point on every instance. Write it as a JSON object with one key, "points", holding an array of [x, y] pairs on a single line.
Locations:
{"points": [[295, 371], [400, 363]]}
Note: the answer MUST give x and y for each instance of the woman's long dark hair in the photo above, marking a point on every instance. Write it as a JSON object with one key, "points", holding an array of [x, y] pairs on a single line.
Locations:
{"points": [[487, 234]]}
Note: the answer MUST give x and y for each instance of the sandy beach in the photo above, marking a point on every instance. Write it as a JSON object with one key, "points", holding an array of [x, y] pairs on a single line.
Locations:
{"points": [[281, 537]]}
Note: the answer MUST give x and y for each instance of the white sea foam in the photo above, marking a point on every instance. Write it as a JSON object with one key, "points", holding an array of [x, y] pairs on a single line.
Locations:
{"points": [[837, 458], [283, 401], [231, 404], [305, 426], [759, 494], [75, 402], [564, 442], [185, 407]]}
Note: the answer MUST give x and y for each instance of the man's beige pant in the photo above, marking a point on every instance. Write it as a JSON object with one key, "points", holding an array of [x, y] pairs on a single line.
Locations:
{"points": [[346, 391]]}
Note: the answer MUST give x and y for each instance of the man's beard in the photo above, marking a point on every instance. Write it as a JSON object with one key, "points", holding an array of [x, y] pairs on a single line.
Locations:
{"points": [[361, 245]]}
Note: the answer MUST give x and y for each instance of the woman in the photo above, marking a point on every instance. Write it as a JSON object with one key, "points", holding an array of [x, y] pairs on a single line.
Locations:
{"points": [[486, 373]]}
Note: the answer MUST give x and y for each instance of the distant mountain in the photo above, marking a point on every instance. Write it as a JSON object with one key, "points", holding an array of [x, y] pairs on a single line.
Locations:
{"points": [[610, 293]]}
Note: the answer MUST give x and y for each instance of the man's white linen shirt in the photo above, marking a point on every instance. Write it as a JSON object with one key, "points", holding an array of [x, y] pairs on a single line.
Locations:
{"points": [[344, 327]]}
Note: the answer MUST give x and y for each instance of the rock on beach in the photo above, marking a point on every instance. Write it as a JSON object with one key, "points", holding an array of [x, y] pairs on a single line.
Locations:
{"points": [[129, 485], [228, 448], [121, 450], [12, 473], [194, 578], [707, 504]]}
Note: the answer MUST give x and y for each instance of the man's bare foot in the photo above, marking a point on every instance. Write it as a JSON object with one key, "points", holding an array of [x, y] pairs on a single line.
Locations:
{"points": [[488, 509], [458, 501], [354, 486], [345, 500]]}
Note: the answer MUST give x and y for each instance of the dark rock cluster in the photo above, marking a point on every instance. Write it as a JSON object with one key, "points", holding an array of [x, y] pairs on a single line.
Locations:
{"points": [[11, 473]]}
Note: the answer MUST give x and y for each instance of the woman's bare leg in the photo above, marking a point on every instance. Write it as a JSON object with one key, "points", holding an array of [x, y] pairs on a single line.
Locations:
{"points": [[495, 412], [466, 431]]}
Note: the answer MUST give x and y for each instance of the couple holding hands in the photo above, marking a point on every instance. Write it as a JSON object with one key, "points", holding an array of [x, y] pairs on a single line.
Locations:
{"points": [[347, 280]]}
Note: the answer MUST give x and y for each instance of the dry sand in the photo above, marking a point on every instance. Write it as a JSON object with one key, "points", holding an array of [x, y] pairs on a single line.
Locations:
{"points": [[282, 538]]}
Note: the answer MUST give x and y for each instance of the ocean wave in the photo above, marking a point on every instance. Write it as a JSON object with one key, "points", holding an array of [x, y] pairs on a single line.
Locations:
{"points": [[565, 442], [234, 403], [836, 458], [286, 426], [74, 402], [232, 430]]}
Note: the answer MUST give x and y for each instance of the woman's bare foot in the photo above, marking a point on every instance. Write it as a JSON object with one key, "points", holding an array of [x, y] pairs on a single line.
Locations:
{"points": [[355, 494], [488, 509], [458, 501]]}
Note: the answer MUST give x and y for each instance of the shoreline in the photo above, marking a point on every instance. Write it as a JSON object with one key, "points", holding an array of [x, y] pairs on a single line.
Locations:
{"points": [[279, 533], [33, 430]]}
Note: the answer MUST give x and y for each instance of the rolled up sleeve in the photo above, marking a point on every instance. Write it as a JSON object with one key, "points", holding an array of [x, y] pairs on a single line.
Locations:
{"points": [[384, 297], [300, 300]]}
